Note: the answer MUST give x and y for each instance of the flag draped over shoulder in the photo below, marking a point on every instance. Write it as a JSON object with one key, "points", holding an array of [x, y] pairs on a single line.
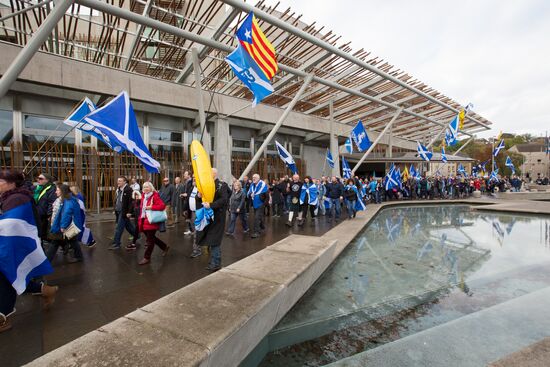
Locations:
{"points": [[346, 171], [312, 193], [286, 157], [330, 160], [254, 192], [423, 152], [360, 137], [256, 44], [115, 124], [21, 254]]}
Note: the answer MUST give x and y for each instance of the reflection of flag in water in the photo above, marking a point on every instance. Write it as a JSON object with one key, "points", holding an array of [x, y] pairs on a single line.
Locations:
{"points": [[21, 255], [250, 74], [424, 251], [286, 157], [115, 124], [510, 225], [203, 217], [416, 229], [443, 240], [393, 228], [498, 229]]}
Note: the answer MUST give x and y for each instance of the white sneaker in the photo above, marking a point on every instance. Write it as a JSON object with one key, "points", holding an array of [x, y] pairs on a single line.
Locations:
{"points": [[187, 232]]}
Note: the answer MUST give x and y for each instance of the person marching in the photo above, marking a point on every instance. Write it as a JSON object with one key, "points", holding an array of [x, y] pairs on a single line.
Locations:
{"points": [[150, 201], [258, 195], [237, 208], [308, 200], [294, 191], [350, 197]]}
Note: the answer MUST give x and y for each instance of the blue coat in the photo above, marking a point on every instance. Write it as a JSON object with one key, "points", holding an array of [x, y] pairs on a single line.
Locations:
{"points": [[68, 212]]}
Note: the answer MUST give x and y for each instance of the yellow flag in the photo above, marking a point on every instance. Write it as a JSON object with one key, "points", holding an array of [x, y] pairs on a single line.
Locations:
{"points": [[461, 116], [405, 174], [499, 135]]}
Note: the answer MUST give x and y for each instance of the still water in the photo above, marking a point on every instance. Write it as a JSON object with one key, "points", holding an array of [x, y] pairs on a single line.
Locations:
{"points": [[410, 269]]}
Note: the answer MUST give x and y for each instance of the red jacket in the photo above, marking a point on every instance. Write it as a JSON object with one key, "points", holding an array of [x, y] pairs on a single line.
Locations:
{"points": [[157, 204]]}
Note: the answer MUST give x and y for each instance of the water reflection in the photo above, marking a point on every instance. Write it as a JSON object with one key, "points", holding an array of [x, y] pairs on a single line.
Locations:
{"points": [[410, 257]]}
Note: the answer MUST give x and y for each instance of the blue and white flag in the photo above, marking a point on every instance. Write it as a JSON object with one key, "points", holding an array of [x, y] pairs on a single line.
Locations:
{"points": [[494, 176], [312, 193], [330, 160], [426, 249], [359, 203], [254, 192], [423, 152], [452, 136], [510, 164], [349, 145], [203, 217], [85, 236], [360, 137], [286, 157], [461, 170], [115, 124], [390, 179], [21, 254], [346, 171], [78, 114], [397, 177], [414, 173], [250, 74], [443, 156], [498, 148]]}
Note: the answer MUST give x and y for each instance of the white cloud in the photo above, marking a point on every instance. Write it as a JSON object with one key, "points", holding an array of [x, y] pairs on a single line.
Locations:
{"points": [[495, 54]]}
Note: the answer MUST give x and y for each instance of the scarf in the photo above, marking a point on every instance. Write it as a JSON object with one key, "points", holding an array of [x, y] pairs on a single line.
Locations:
{"points": [[144, 203]]}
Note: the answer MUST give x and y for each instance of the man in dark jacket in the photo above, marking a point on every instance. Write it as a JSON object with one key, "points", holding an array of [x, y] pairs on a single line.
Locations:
{"points": [[335, 193], [212, 235], [44, 196], [179, 188], [294, 190], [123, 211], [166, 193]]}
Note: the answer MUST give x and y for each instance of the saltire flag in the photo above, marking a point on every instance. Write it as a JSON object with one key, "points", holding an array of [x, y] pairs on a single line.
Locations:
{"points": [[258, 47], [312, 193], [85, 236], [330, 160], [254, 192], [443, 156], [359, 203], [115, 124], [360, 137], [348, 145], [510, 164], [423, 152], [250, 74], [203, 217], [397, 178], [498, 148], [414, 173], [346, 171], [493, 176], [426, 249], [510, 225], [461, 170], [21, 255], [448, 138], [394, 228], [391, 179], [453, 132], [475, 169], [286, 157], [78, 114], [462, 115]]}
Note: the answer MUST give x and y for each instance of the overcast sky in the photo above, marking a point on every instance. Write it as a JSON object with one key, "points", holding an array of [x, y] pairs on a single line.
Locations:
{"points": [[495, 54]]}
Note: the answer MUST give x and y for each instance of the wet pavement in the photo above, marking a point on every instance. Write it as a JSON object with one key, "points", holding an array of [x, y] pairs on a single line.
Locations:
{"points": [[108, 285]]}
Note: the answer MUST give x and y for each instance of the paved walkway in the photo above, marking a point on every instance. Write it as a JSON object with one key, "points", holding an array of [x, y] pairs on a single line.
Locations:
{"points": [[108, 285], [523, 206]]}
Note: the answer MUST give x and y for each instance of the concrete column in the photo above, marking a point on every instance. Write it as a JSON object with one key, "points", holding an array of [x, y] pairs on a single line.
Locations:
{"points": [[389, 151], [333, 142], [18, 133], [222, 149]]}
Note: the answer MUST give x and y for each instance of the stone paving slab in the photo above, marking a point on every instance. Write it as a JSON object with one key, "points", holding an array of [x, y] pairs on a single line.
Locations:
{"points": [[523, 206], [536, 355]]}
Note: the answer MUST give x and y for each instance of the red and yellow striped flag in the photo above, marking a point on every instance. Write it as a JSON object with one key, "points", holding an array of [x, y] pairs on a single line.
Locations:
{"points": [[258, 46]]}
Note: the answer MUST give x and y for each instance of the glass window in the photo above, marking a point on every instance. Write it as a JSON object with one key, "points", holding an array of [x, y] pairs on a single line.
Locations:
{"points": [[241, 143], [295, 149], [165, 135], [39, 139], [45, 123], [6, 127], [166, 148]]}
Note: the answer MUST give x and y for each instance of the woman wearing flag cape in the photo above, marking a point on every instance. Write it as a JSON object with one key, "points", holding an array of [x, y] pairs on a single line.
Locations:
{"points": [[308, 200], [19, 240]]}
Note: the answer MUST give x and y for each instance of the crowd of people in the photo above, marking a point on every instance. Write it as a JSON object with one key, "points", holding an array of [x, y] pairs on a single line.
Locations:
{"points": [[143, 211]]}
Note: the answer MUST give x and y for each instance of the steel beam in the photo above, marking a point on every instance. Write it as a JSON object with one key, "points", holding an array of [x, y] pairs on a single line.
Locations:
{"points": [[136, 39], [388, 126], [335, 50], [36, 40], [267, 140], [362, 104], [200, 102], [11, 15], [462, 147]]}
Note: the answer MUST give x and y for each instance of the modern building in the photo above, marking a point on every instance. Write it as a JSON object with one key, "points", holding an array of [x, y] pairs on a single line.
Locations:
{"points": [[536, 161], [146, 47]]}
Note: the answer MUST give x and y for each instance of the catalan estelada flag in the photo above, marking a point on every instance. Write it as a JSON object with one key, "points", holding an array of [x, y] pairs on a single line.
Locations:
{"points": [[254, 41]]}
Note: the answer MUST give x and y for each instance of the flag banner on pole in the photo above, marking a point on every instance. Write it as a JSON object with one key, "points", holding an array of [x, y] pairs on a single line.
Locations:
{"points": [[493, 176], [443, 156], [21, 254], [405, 174], [330, 160], [462, 115], [346, 171], [498, 148], [360, 137], [452, 136], [286, 157], [510, 165], [348, 145], [258, 47], [390, 181], [115, 124], [461, 170], [423, 152], [250, 74], [76, 117], [414, 173]]}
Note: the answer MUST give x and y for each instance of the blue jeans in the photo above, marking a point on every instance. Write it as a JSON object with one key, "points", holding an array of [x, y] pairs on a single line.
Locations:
{"points": [[215, 256], [244, 221], [335, 205], [121, 223], [350, 205]]}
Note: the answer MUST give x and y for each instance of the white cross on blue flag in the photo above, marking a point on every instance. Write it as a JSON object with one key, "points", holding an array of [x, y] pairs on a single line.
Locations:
{"points": [[423, 152], [330, 160], [286, 157], [346, 171]]}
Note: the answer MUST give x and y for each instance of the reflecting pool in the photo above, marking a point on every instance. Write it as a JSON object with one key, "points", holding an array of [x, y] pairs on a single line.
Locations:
{"points": [[410, 269]]}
